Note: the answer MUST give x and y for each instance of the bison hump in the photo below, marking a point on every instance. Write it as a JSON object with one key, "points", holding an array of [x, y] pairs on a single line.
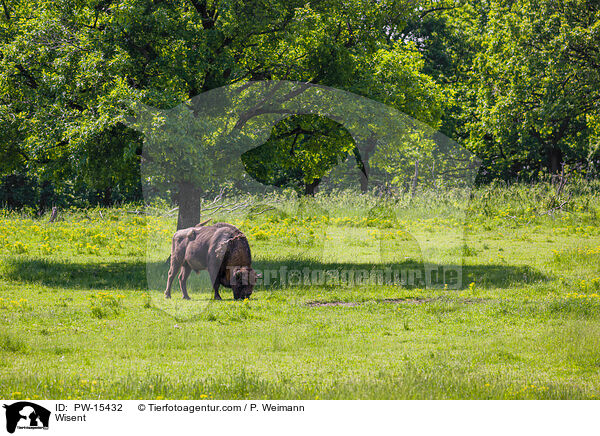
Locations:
{"points": [[231, 243]]}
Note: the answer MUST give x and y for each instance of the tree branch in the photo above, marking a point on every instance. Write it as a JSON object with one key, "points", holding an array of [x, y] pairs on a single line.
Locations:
{"points": [[438, 9], [207, 17], [31, 82], [6, 13]]}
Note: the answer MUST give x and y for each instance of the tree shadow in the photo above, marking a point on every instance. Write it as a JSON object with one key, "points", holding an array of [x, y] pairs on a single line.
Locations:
{"points": [[89, 275], [485, 276], [139, 275]]}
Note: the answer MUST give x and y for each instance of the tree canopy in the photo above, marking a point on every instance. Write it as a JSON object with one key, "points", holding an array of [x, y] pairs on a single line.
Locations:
{"points": [[514, 81]]}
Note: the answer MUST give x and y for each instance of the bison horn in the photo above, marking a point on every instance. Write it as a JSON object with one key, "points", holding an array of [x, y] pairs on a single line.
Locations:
{"points": [[203, 223]]}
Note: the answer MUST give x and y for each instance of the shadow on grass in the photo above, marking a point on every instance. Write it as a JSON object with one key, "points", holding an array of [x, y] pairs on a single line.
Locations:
{"points": [[89, 275], [134, 275], [485, 276]]}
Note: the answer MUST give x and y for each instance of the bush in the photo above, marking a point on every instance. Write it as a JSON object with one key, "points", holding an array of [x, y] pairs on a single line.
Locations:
{"points": [[18, 191]]}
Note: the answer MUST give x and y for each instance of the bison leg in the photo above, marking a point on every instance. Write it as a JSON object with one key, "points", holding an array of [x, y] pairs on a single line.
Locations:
{"points": [[216, 284], [216, 288], [213, 271], [173, 270], [183, 276]]}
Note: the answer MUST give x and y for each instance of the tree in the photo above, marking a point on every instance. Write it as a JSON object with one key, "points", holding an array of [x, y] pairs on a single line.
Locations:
{"points": [[538, 85], [69, 70]]}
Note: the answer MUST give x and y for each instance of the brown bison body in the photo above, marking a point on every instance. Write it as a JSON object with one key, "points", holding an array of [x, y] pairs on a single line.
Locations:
{"points": [[222, 249]]}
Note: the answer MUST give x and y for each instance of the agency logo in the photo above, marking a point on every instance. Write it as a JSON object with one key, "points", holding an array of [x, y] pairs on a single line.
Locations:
{"points": [[26, 415]]}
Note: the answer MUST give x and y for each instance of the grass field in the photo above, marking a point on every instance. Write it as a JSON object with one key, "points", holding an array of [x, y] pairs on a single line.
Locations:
{"points": [[81, 318]]}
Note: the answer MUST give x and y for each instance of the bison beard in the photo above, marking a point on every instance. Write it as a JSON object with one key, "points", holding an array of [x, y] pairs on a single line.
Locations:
{"points": [[222, 249]]}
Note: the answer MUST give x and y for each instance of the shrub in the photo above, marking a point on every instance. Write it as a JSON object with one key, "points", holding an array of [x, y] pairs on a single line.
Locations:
{"points": [[18, 190]]}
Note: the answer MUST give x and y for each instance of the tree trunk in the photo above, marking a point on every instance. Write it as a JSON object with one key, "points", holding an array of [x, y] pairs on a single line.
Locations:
{"points": [[107, 196], [311, 188], [362, 159], [415, 180], [364, 175], [555, 158], [188, 200]]}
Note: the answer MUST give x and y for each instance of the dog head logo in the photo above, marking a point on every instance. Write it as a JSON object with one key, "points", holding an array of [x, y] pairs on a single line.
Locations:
{"points": [[26, 415]]}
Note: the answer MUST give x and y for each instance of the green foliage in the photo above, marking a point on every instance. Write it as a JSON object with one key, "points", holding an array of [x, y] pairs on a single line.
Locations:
{"points": [[299, 153], [18, 190], [109, 164], [70, 71], [537, 86], [514, 81]]}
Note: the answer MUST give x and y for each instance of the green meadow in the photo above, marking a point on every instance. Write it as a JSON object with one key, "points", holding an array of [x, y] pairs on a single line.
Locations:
{"points": [[82, 313]]}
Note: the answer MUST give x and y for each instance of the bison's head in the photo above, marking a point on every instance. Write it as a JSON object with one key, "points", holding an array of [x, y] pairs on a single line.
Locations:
{"points": [[242, 282]]}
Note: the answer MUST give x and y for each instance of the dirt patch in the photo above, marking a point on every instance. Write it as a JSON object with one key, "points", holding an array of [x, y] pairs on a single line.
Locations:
{"points": [[356, 303], [396, 301], [406, 300], [474, 300], [332, 303]]}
